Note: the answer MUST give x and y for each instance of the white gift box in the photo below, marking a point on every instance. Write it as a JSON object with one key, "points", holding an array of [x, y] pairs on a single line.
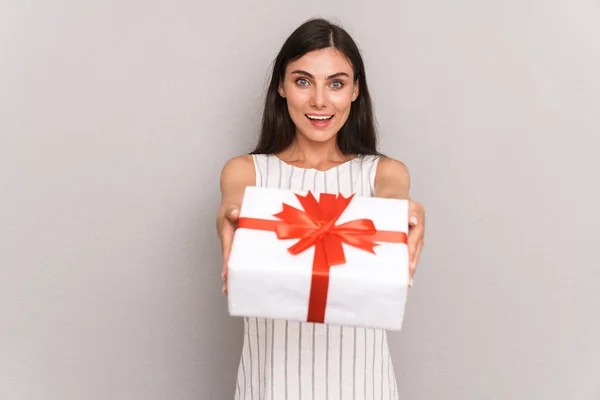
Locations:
{"points": [[265, 280]]}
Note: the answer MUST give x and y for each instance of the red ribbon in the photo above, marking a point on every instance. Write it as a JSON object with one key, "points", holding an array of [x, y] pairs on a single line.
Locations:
{"points": [[315, 226]]}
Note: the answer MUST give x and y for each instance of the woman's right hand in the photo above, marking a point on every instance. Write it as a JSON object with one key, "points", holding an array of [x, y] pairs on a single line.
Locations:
{"points": [[228, 226], [236, 175]]}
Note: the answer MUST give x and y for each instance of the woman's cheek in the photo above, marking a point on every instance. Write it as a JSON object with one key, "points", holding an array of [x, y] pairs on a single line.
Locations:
{"points": [[298, 99], [341, 99]]}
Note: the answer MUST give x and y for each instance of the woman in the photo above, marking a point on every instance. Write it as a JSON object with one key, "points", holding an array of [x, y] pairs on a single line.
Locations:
{"points": [[317, 134]]}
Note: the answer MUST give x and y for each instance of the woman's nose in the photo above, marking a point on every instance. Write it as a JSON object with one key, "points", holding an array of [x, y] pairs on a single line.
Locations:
{"points": [[318, 97]]}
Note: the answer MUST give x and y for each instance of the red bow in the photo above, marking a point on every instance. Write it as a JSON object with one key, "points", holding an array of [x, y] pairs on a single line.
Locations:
{"points": [[316, 226]]}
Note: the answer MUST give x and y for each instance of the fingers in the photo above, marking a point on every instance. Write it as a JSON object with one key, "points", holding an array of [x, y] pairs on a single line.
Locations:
{"points": [[416, 233], [224, 284], [415, 263], [224, 277], [416, 213], [415, 236], [416, 227], [414, 254], [232, 214], [226, 241], [413, 220], [415, 247]]}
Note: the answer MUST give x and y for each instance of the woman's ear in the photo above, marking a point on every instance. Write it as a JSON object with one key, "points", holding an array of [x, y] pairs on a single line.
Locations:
{"points": [[280, 90], [355, 91]]}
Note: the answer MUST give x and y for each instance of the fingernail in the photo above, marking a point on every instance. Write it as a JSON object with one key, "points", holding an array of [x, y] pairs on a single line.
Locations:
{"points": [[414, 220], [410, 283]]}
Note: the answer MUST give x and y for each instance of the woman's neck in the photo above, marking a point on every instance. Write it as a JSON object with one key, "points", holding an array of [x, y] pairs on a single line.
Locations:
{"points": [[309, 154]]}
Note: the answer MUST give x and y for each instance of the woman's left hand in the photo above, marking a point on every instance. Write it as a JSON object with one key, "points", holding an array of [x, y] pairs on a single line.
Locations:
{"points": [[416, 235], [393, 181]]}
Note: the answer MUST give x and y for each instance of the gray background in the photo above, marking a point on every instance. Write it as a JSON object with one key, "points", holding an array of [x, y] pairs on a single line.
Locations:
{"points": [[116, 117]]}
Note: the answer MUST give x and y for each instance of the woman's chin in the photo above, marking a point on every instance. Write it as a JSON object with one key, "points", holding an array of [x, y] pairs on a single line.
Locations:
{"points": [[318, 135]]}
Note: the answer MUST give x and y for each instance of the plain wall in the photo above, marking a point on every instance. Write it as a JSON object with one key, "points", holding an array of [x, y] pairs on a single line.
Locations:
{"points": [[117, 116]]}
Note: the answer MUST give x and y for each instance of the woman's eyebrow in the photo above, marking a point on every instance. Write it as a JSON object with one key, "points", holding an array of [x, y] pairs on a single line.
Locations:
{"points": [[336, 75]]}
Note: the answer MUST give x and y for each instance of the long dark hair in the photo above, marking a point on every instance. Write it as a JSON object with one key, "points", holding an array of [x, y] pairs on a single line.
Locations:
{"points": [[358, 135]]}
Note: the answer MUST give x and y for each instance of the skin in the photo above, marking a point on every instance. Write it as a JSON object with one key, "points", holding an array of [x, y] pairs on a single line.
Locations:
{"points": [[322, 83]]}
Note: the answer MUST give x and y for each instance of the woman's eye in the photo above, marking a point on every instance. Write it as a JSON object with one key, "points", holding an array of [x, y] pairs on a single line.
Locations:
{"points": [[337, 84], [302, 82]]}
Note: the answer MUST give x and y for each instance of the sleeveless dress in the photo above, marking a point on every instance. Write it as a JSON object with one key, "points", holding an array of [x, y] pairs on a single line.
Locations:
{"points": [[291, 360]]}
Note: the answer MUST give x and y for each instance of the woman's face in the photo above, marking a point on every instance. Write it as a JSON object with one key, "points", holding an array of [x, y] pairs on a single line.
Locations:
{"points": [[319, 88]]}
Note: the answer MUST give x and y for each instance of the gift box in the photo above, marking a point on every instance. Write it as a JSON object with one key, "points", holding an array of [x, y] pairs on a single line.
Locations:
{"points": [[320, 258]]}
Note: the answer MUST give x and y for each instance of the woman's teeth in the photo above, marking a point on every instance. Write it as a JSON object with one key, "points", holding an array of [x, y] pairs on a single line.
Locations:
{"points": [[319, 117]]}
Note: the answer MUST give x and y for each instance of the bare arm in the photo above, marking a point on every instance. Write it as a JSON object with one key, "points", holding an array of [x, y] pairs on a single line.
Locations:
{"points": [[235, 176], [393, 181]]}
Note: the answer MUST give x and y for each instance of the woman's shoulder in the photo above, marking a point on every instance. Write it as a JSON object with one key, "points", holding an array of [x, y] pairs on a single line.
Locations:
{"points": [[239, 162], [389, 164], [239, 168], [392, 178], [385, 165]]}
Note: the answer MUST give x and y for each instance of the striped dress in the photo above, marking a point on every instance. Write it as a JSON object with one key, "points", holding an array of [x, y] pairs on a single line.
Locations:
{"points": [[290, 360]]}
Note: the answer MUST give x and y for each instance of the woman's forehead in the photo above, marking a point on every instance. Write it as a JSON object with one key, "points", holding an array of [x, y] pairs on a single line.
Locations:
{"points": [[322, 63]]}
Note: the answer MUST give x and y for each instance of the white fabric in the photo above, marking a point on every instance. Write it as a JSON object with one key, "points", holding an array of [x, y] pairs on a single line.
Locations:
{"points": [[290, 360]]}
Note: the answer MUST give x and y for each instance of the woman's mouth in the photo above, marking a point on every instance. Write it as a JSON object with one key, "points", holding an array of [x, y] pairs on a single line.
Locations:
{"points": [[319, 121]]}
